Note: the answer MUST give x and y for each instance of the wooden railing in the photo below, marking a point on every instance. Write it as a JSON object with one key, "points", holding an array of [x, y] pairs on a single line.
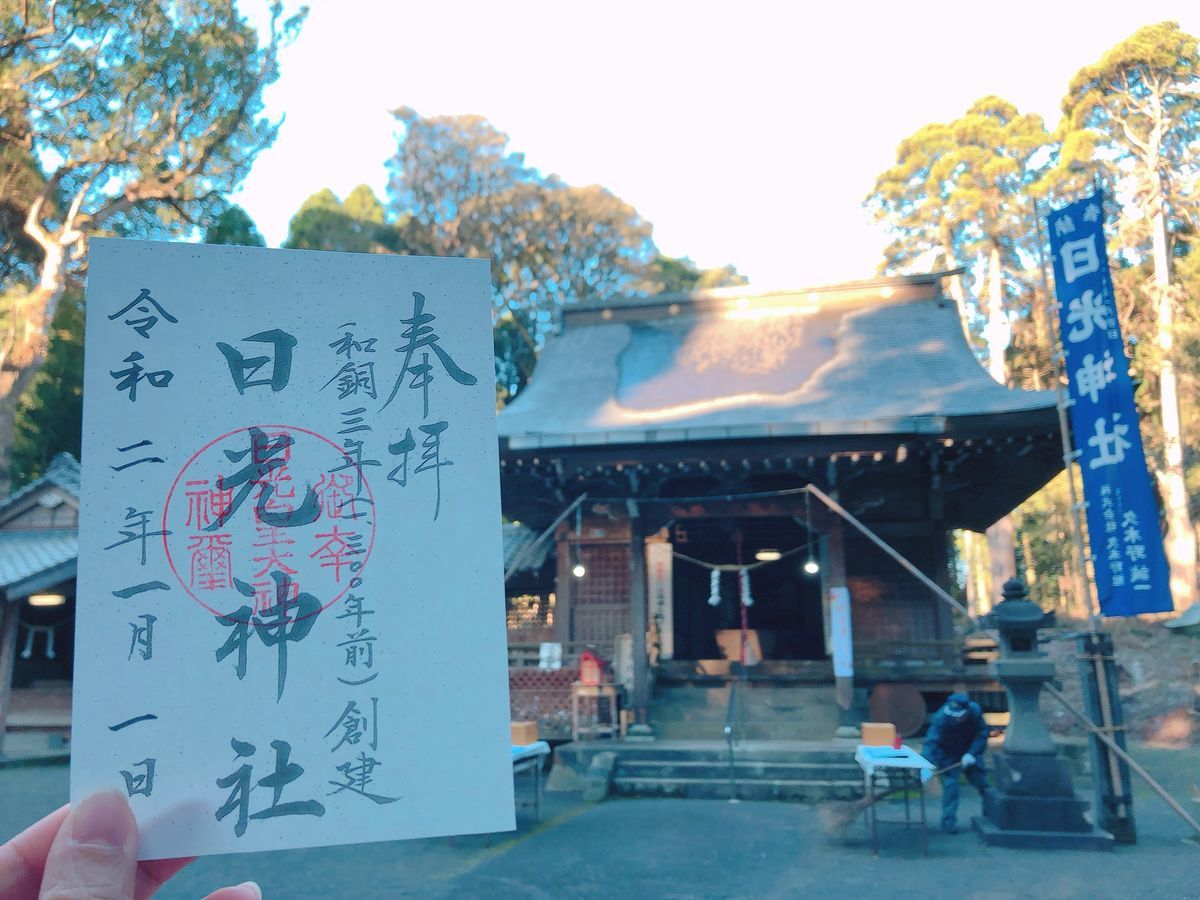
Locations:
{"points": [[527, 655]]}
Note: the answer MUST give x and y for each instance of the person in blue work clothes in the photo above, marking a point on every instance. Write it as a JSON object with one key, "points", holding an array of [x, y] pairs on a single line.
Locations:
{"points": [[958, 733]]}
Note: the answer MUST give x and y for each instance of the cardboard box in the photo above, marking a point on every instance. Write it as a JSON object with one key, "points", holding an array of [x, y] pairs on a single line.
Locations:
{"points": [[524, 733], [878, 734]]}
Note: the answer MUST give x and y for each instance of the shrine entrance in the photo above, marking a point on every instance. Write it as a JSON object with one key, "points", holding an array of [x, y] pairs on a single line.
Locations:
{"points": [[786, 614]]}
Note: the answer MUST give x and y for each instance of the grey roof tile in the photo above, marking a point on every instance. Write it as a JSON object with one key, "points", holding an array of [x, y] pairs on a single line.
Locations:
{"points": [[63, 472], [25, 554], [516, 539], [755, 366]]}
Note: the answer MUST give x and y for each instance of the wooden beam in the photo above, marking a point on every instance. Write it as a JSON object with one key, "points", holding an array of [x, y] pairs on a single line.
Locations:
{"points": [[637, 611], [564, 583], [10, 613]]}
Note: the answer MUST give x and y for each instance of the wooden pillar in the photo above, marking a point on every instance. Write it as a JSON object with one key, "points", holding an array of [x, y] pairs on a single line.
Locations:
{"points": [[637, 611], [10, 612], [941, 554], [564, 590]]}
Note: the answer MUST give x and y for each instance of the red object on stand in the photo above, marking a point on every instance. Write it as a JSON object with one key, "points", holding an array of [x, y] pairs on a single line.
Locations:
{"points": [[897, 741], [590, 668]]}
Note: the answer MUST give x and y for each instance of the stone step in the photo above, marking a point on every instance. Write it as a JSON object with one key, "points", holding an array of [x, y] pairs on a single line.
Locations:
{"points": [[796, 790], [743, 769], [808, 729], [709, 696], [742, 753], [659, 713]]}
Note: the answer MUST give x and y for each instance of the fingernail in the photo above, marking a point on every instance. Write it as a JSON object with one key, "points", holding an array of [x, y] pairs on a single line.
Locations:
{"points": [[103, 818], [252, 889]]}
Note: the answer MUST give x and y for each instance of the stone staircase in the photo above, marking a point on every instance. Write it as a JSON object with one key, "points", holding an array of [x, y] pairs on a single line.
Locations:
{"points": [[761, 770], [762, 710], [799, 771]]}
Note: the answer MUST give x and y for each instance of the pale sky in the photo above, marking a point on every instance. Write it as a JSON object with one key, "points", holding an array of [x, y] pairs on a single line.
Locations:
{"points": [[746, 132]]}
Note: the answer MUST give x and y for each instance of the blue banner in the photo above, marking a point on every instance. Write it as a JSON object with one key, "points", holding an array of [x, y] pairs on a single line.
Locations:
{"points": [[1127, 549]]}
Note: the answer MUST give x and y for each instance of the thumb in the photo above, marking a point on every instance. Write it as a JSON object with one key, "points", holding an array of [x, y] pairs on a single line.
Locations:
{"points": [[247, 890], [94, 854]]}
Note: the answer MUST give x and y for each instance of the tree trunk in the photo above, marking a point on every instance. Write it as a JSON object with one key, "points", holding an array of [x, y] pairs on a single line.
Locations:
{"points": [[998, 332], [968, 552], [1001, 537], [1181, 540], [984, 601], [956, 292]]}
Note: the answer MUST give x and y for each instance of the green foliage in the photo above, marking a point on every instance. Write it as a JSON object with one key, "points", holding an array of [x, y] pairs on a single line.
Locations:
{"points": [[145, 113], [550, 244], [1139, 108], [234, 226], [357, 225], [120, 117], [20, 183], [1044, 526], [50, 414], [958, 195], [679, 275]]}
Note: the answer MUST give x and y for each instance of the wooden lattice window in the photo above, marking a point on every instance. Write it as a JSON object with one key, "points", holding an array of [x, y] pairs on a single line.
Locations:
{"points": [[607, 578]]}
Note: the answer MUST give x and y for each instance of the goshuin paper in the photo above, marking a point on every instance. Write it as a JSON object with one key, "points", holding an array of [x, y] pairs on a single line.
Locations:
{"points": [[290, 627]]}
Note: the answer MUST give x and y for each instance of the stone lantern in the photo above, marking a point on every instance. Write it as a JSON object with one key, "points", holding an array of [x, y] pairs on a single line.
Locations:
{"points": [[1034, 802]]}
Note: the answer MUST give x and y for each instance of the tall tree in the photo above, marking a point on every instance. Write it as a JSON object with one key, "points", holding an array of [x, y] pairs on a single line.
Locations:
{"points": [[679, 275], [958, 193], [50, 414], [357, 225], [141, 116], [1137, 113], [550, 244], [234, 226]]}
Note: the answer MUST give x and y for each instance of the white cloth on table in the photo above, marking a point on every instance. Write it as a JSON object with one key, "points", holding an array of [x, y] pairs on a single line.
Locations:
{"points": [[872, 758], [529, 751]]}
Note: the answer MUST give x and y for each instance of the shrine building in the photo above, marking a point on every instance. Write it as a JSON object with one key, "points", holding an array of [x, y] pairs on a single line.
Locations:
{"points": [[692, 424]]}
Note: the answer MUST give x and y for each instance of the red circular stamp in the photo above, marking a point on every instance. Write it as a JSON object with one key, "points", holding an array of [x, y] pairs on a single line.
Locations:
{"points": [[269, 518]]}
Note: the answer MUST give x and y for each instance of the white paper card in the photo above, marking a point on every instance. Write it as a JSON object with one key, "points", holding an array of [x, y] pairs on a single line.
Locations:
{"points": [[290, 626], [843, 644]]}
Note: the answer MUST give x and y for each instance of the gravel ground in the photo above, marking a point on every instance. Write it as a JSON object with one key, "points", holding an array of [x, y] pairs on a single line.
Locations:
{"points": [[689, 848]]}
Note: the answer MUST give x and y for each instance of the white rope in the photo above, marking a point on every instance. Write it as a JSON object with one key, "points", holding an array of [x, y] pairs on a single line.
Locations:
{"points": [[734, 567], [714, 587], [744, 584]]}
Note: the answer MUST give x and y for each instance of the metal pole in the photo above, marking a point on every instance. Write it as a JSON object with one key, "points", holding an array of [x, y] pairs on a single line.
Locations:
{"points": [[1133, 763], [882, 545], [529, 548], [10, 614]]}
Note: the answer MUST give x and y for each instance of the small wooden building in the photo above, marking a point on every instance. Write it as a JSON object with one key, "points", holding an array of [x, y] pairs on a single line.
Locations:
{"points": [[38, 549], [690, 422]]}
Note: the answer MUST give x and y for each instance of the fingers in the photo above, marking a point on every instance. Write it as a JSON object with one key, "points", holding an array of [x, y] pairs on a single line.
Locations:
{"points": [[23, 858], [154, 873], [247, 890], [94, 854]]}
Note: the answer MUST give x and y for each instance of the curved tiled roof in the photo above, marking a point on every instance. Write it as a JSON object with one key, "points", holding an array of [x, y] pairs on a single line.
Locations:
{"points": [[63, 472], [885, 356], [27, 555], [517, 541]]}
